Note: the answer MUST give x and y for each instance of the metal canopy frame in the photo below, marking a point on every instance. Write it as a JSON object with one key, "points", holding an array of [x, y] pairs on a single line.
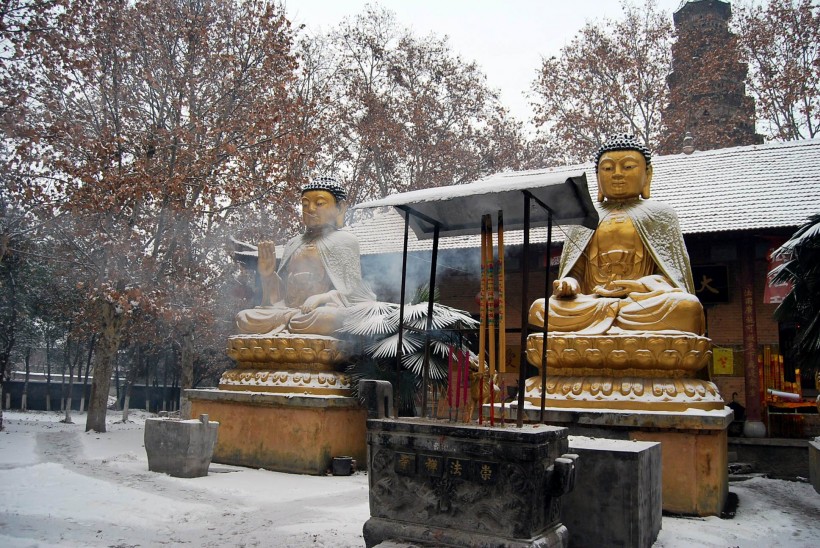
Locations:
{"points": [[527, 199], [457, 209]]}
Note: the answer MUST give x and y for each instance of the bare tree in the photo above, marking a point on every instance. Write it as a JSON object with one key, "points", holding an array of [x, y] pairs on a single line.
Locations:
{"points": [[154, 123], [781, 42], [610, 79], [405, 112]]}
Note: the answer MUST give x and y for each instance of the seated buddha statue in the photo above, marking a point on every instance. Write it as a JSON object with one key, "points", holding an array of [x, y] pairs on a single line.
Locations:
{"points": [[624, 328], [319, 275], [632, 272]]}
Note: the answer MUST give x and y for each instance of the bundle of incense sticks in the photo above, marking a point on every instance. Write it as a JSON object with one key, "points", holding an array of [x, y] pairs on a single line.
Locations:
{"points": [[482, 332], [458, 381], [491, 341], [502, 316]]}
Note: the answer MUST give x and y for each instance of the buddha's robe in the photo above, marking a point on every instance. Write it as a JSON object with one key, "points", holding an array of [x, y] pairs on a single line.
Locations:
{"points": [[312, 264], [635, 240]]}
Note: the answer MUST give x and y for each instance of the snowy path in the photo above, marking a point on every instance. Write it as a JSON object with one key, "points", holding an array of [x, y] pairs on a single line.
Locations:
{"points": [[64, 487], [68, 488]]}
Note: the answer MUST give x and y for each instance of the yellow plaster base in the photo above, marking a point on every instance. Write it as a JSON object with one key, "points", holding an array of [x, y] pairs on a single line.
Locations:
{"points": [[694, 448], [695, 470], [297, 434]]}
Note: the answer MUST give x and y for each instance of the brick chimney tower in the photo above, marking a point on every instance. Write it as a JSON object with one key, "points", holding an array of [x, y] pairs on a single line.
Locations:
{"points": [[707, 86]]}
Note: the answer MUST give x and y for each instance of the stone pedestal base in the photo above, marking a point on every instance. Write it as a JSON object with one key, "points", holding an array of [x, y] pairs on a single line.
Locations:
{"points": [[694, 447], [316, 383], [814, 463], [633, 393], [645, 371], [287, 364], [444, 484], [286, 433]]}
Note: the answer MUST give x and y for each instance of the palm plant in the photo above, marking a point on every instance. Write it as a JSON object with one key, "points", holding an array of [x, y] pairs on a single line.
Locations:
{"points": [[377, 326], [801, 268]]}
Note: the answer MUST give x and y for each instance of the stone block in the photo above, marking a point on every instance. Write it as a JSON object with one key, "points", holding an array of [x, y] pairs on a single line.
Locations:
{"points": [[180, 448], [377, 398], [447, 484], [814, 463], [617, 500], [695, 469]]}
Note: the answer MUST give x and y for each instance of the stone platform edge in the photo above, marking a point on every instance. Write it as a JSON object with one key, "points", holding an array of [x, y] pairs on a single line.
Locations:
{"points": [[270, 399], [691, 419]]}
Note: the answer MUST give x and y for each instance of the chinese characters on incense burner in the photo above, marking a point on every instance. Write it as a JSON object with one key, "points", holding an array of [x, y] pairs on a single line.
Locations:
{"points": [[287, 343], [625, 329]]}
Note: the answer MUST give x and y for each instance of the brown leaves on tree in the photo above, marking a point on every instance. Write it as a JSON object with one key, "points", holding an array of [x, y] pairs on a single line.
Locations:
{"points": [[781, 42], [163, 122], [609, 79], [404, 111]]}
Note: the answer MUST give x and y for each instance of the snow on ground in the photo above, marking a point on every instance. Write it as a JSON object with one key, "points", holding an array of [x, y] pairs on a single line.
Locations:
{"points": [[68, 488]]}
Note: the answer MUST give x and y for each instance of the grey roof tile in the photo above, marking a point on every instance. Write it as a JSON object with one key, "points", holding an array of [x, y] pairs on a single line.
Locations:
{"points": [[732, 189]]}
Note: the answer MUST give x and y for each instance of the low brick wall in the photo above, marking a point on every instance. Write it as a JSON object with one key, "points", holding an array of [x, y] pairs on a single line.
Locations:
{"points": [[777, 457]]}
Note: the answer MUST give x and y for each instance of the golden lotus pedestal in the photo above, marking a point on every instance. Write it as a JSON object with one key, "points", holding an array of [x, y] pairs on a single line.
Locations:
{"points": [[285, 407], [641, 386]]}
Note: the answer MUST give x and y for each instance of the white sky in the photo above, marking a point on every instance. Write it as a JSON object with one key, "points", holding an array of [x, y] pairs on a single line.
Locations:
{"points": [[506, 38]]}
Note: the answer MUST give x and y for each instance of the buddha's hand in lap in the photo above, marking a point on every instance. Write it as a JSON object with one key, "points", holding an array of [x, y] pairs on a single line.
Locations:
{"points": [[619, 288], [315, 301], [312, 303], [647, 285], [565, 288]]}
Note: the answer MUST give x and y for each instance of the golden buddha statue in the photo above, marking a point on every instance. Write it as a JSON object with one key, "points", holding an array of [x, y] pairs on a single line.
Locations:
{"points": [[319, 275], [632, 272], [287, 343], [623, 306]]}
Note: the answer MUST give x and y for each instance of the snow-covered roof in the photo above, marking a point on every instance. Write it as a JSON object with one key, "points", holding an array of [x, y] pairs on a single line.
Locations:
{"points": [[457, 210], [732, 189]]}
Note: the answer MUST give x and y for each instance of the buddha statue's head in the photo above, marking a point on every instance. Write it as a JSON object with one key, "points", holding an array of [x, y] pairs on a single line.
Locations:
{"points": [[624, 168], [324, 203]]}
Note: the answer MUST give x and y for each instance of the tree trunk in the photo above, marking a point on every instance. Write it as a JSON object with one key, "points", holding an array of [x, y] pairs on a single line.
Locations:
{"points": [[10, 330], [66, 365], [71, 365], [186, 374], [130, 377], [24, 400], [117, 379], [91, 344], [111, 323], [48, 374], [165, 397]]}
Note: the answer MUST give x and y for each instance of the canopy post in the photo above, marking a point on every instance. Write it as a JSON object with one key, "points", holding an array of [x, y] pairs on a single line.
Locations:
{"points": [[546, 317], [432, 293], [525, 282], [400, 348]]}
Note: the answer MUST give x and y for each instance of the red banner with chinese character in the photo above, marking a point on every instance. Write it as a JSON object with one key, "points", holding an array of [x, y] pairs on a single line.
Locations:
{"points": [[775, 293]]}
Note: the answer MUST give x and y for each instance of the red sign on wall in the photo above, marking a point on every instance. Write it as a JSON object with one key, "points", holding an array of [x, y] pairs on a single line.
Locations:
{"points": [[775, 293]]}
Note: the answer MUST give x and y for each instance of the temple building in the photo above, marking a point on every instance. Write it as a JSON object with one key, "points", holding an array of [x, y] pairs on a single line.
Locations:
{"points": [[707, 86], [735, 206]]}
